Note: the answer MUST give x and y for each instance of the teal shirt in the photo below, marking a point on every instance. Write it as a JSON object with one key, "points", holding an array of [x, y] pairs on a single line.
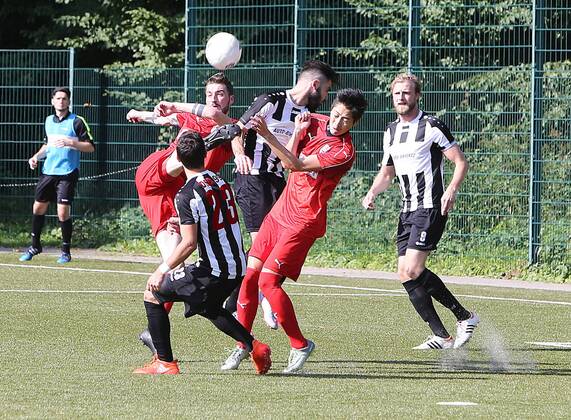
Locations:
{"points": [[64, 160]]}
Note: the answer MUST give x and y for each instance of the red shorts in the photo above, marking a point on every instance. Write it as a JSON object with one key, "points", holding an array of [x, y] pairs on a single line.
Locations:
{"points": [[157, 189], [282, 250]]}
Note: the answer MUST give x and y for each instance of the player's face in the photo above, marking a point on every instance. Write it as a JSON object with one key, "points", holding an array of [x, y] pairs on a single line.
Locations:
{"points": [[340, 120], [318, 94], [217, 96], [405, 98], [60, 101]]}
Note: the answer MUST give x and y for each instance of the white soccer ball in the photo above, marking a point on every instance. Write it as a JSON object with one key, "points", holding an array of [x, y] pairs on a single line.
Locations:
{"points": [[223, 51]]}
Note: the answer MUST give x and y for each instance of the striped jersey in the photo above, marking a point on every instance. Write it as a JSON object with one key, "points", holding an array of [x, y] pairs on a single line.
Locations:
{"points": [[207, 200], [415, 150], [280, 111], [303, 203]]}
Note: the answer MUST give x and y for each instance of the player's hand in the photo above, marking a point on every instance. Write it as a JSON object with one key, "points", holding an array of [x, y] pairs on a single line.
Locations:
{"points": [[134, 116], [368, 201], [33, 162], [447, 201], [173, 225], [63, 143], [154, 281], [243, 164], [259, 124], [164, 109], [302, 122]]}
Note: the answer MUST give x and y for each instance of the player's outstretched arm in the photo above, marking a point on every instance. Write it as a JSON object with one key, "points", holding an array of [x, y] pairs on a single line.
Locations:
{"points": [[380, 184], [448, 199], [135, 116], [289, 160], [165, 108]]}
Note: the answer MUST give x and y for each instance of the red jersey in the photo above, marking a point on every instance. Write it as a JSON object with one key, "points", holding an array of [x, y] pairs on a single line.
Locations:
{"points": [[303, 203], [215, 159]]}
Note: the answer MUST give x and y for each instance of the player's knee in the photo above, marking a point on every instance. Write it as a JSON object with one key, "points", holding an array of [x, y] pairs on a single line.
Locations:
{"points": [[269, 281], [412, 272], [149, 297]]}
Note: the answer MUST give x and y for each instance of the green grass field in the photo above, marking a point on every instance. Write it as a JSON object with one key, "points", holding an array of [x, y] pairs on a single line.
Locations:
{"points": [[68, 344]]}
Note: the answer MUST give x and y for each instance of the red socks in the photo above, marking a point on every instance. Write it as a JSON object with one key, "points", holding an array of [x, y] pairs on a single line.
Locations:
{"points": [[270, 285], [248, 299]]}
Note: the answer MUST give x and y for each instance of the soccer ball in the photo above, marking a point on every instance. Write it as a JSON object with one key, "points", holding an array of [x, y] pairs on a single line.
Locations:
{"points": [[223, 51]]}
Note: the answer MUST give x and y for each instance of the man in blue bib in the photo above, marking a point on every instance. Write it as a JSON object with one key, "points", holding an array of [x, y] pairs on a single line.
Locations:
{"points": [[67, 135]]}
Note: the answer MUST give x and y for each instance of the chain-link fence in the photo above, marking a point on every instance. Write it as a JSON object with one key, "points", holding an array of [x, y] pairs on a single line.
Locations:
{"points": [[498, 73]]}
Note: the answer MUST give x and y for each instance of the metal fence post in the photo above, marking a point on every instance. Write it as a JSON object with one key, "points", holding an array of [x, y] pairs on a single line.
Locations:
{"points": [[413, 34], [71, 68], [189, 40], [538, 59]]}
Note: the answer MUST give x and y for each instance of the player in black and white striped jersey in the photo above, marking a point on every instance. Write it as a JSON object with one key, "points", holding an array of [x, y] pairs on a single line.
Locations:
{"points": [[208, 221], [207, 201], [414, 146], [259, 172]]}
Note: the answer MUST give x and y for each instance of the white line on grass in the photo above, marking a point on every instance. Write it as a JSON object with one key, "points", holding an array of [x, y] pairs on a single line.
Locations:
{"points": [[95, 292], [92, 270], [325, 286], [550, 344], [457, 403]]}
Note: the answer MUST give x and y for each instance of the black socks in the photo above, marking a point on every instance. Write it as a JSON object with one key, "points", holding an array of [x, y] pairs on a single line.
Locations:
{"points": [[436, 288], [422, 302], [38, 221], [225, 322], [160, 329], [66, 230]]}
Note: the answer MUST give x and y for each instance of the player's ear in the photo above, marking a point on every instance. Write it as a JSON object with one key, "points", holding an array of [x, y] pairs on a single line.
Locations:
{"points": [[315, 83], [231, 101]]}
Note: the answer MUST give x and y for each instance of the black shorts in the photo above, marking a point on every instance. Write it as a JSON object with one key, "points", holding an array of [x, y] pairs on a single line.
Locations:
{"points": [[60, 188], [197, 288], [256, 194], [420, 229]]}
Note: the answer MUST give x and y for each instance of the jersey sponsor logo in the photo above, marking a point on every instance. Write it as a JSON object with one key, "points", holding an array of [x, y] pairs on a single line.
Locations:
{"points": [[283, 131], [325, 149]]}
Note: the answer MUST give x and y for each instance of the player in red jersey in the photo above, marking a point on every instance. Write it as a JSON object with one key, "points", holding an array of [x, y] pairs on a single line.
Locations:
{"points": [[319, 153], [161, 175]]}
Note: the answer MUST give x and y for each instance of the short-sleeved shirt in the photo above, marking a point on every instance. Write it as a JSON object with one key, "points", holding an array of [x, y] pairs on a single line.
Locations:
{"points": [[304, 200], [208, 201], [64, 160], [279, 111], [415, 149]]}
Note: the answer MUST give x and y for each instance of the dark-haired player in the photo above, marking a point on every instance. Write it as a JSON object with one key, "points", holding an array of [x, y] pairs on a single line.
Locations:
{"points": [[259, 172], [413, 148], [319, 153], [209, 222], [67, 136]]}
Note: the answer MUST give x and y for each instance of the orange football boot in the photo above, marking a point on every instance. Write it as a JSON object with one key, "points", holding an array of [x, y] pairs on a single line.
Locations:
{"points": [[159, 367], [261, 357]]}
